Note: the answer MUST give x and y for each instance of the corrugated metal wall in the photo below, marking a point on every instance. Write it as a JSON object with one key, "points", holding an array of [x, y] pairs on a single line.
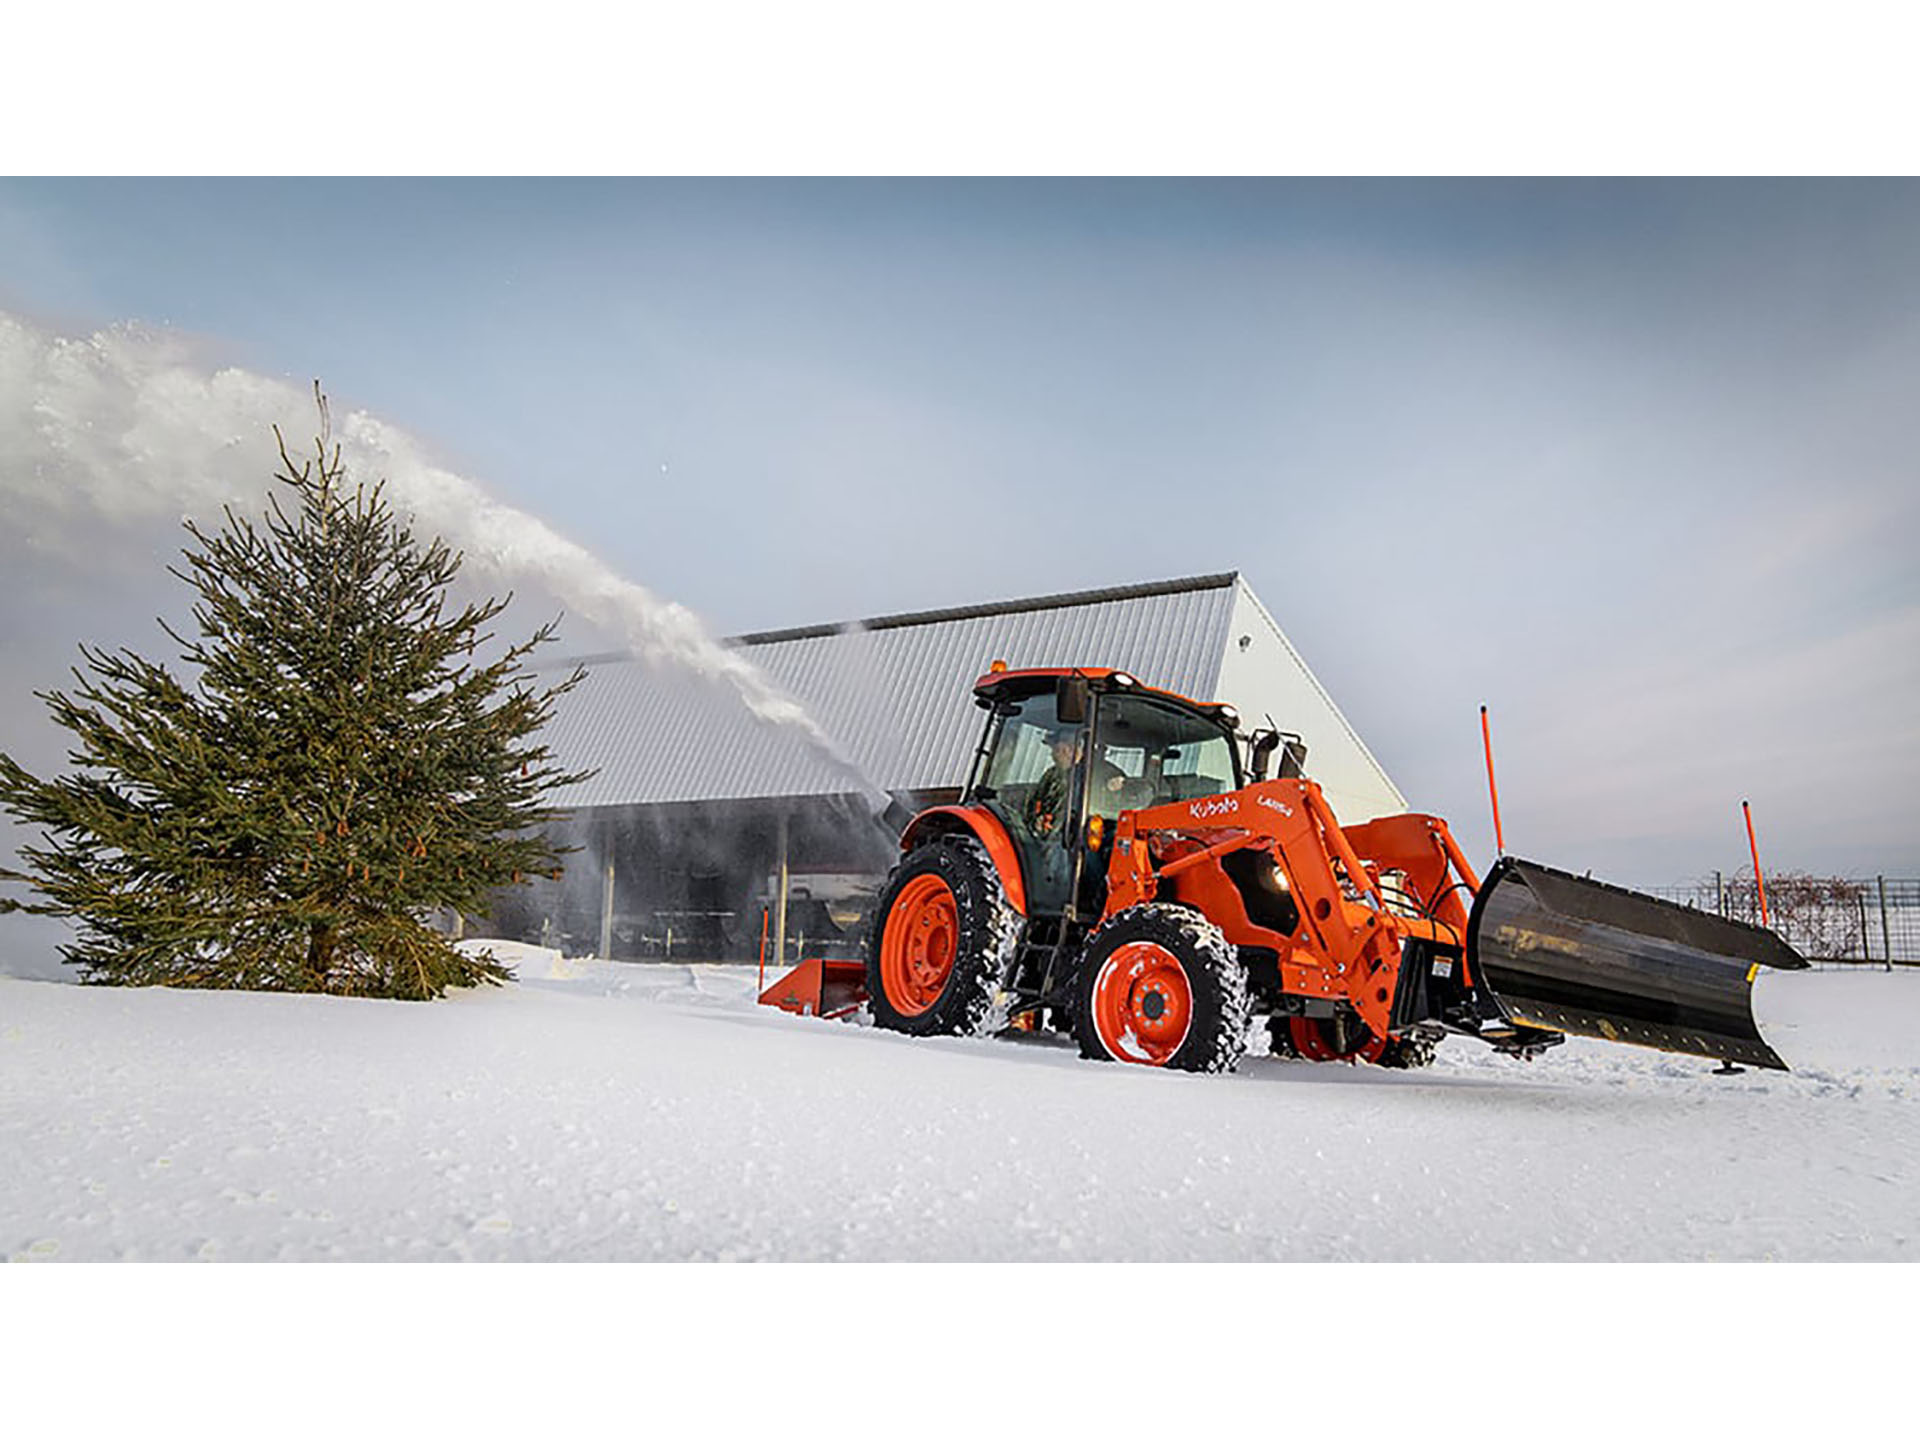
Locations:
{"points": [[895, 694]]}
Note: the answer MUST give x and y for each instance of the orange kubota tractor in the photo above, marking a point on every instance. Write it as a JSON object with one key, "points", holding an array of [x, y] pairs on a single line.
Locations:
{"points": [[1121, 868]]}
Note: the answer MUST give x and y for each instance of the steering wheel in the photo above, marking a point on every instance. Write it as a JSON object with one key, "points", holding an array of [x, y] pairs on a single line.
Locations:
{"points": [[1136, 793]]}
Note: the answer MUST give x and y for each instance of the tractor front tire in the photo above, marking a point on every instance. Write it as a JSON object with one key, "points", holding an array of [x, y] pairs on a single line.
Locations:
{"points": [[944, 938], [1160, 985]]}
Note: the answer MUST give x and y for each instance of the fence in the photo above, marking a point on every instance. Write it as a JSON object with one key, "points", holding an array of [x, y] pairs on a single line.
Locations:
{"points": [[1827, 919]]}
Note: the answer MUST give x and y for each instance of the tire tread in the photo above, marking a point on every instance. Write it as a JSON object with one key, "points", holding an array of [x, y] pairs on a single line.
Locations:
{"points": [[1222, 1005]]}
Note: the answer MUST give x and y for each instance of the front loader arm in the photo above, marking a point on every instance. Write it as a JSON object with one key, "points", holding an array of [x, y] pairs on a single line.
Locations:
{"points": [[1344, 944], [1438, 880]]}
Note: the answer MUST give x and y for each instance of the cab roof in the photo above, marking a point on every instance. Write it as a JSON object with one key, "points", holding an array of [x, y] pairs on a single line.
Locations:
{"points": [[1014, 684]]}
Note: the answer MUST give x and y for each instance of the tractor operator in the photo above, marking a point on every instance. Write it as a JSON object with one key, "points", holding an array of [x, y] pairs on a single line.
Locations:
{"points": [[1049, 798], [1048, 802]]}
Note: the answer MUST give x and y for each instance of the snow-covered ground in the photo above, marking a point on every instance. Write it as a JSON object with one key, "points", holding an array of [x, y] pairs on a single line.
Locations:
{"points": [[611, 1111]]}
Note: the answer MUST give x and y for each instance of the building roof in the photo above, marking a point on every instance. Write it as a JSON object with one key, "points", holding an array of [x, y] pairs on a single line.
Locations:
{"points": [[893, 691]]}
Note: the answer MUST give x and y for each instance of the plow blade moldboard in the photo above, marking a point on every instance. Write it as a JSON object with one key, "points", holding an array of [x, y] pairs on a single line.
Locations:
{"points": [[1592, 959]]}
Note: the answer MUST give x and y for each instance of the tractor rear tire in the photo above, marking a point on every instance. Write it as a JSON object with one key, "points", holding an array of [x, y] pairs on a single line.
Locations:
{"points": [[1160, 985], [943, 941]]}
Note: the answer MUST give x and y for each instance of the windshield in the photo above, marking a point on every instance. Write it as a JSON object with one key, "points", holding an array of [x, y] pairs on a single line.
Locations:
{"points": [[1147, 752]]}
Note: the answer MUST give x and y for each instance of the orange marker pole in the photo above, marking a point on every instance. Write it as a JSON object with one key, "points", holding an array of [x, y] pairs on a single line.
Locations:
{"points": [[763, 947], [1486, 736], [1759, 880]]}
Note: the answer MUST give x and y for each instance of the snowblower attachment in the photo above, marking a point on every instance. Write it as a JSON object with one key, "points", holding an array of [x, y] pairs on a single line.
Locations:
{"points": [[829, 988], [1592, 959]]}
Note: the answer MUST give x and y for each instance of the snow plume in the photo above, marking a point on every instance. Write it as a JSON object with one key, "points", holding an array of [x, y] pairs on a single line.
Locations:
{"points": [[125, 426]]}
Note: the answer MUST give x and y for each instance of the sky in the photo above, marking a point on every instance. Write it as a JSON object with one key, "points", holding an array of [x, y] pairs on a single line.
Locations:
{"points": [[1630, 463]]}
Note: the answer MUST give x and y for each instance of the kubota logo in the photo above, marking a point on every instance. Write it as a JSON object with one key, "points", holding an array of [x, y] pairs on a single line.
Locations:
{"points": [[1225, 805], [1273, 804]]}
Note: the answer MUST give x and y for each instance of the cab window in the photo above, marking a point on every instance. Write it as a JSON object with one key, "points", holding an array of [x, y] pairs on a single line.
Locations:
{"points": [[1146, 752], [1024, 750]]}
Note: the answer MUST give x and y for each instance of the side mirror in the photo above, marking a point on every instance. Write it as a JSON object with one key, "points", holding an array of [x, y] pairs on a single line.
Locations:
{"points": [[1071, 698], [1293, 759]]}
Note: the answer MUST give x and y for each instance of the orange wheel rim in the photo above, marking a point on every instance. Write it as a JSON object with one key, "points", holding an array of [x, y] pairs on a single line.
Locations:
{"points": [[1142, 1003], [1311, 1042], [918, 944], [1308, 1041]]}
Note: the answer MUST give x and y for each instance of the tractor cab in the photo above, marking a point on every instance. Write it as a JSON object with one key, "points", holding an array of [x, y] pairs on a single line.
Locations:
{"points": [[1065, 751]]}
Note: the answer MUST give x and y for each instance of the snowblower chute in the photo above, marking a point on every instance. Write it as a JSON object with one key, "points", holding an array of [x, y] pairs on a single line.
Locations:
{"points": [[1592, 959]]}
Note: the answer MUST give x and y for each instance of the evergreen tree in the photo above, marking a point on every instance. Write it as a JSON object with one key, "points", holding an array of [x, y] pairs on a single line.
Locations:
{"points": [[343, 767]]}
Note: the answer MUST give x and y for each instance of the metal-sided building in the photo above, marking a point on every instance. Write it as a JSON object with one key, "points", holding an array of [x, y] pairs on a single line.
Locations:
{"points": [[706, 828]]}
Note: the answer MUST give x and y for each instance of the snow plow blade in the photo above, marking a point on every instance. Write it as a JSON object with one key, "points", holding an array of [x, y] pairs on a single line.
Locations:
{"points": [[1592, 959], [828, 988]]}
